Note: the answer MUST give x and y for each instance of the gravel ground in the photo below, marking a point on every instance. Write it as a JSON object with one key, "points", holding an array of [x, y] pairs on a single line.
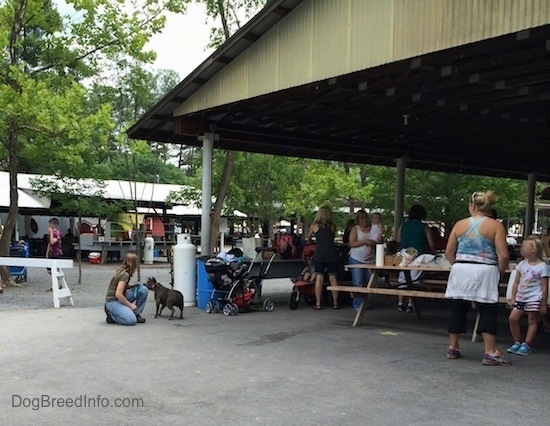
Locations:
{"points": [[34, 293]]}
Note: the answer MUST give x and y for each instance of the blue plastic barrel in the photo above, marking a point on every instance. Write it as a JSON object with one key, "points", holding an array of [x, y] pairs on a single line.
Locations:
{"points": [[204, 286]]}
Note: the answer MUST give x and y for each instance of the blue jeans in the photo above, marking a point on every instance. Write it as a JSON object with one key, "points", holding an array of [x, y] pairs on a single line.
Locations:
{"points": [[359, 278], [122, 314]]}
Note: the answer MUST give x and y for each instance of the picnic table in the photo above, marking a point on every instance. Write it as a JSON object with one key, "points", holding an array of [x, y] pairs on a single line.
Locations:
{"points": [[425, 288]]}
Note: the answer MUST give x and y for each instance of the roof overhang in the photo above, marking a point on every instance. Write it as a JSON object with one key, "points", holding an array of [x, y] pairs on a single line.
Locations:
{"points": [[480, 108]]}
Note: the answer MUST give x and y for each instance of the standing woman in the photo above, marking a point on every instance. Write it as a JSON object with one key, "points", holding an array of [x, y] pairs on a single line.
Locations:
{"points": [[326, 256], [414, 233], [361, 248], [124, 303], [479, 255]]}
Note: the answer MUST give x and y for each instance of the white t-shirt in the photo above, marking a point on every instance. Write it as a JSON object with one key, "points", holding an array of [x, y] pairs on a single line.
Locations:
{"points": [[361, 253], [530, 281]]}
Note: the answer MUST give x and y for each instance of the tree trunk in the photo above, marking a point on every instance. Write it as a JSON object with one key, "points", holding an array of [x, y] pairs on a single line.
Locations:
{"points": [[13, 212], [228, 162], [223, 16], [12, 147], [220, 197]]}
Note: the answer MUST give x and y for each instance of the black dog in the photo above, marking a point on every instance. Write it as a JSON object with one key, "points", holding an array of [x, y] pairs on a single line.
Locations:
{"points": [[165, 298]]}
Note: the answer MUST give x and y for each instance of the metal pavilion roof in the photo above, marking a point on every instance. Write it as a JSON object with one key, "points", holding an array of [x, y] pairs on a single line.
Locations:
{"points": [[479, 108]]}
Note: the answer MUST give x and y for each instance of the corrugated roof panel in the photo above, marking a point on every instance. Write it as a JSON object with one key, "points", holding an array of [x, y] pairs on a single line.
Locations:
{"points": [[264, 64], [422, 26], [331, 37], [371, 40], [295, 48], [235, 84], [320, 39]]}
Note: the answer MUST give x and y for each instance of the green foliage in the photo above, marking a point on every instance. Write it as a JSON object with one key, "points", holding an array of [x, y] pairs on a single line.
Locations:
{"points": [[260, 184], [446, 196], [271, 187], [45, 55], [330, 184], [141, 162], [266, 186], [54, 126], [131, 91], [187, 196], [227, 16]]}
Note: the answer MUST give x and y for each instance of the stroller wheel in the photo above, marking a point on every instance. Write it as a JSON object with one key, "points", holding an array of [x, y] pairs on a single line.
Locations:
{"points": [[228, 310], [209, 308], [310, 300], [294, 299], [268, 305], [235, 308]]}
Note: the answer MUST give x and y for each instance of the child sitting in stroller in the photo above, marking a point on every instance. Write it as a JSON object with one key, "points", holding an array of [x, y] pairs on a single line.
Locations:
{"points": [[308, 271], [305, 283]]}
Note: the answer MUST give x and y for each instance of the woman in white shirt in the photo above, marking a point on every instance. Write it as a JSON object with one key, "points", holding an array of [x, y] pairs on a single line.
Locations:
{"points": [[361, 245]]}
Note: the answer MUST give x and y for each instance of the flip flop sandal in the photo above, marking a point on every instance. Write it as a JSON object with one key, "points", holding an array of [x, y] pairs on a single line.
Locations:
{"points": [[317, 307]]}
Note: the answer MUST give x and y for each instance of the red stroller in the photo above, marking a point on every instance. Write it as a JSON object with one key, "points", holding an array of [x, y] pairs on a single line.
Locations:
{"points": [[304, 285], [229, 292]]}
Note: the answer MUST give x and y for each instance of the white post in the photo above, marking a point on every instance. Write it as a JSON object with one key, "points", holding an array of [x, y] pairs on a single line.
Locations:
{"points": [[207, 148], [530, 206], [399, 194]]}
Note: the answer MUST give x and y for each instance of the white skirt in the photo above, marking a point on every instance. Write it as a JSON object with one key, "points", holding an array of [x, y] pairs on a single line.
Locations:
{"points": [[473, 282]]}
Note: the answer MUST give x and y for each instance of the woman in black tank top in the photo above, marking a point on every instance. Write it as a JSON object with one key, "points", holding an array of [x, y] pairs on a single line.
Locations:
{"points": [[326, 255]]}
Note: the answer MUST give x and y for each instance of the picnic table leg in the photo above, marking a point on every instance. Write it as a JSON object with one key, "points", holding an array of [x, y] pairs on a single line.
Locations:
{"points": [[416, 309], [359, 316]]}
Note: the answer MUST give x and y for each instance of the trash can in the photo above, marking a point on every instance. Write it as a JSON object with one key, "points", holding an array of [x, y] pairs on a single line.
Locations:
{"points": [[204, 286]]}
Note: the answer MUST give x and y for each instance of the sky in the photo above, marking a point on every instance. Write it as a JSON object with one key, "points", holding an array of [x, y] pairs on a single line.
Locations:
{"points": [[182, 44]]}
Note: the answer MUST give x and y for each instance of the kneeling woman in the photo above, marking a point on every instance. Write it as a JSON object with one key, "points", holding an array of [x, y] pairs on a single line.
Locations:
{"points": [[124, 303]]}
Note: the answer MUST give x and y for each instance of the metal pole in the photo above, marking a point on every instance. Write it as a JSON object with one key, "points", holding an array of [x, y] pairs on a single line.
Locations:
{"points": [[530, 207], [399, 194], [207, 148]]}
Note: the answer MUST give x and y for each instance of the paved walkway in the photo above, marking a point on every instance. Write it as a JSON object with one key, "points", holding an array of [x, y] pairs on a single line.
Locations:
{"points": [[280, 368]]}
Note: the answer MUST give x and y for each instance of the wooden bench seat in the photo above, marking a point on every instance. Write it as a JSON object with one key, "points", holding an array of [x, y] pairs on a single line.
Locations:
{"points": [[398, 291], [389, 291], [60, 288], [406, 293]]}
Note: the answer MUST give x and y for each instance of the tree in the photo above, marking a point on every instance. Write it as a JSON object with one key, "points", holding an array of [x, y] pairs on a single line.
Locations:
{"points": [[228, 16], [132, 91], [444, 195], [44, 58], [260, 184], [229, 13], [327, 183]]}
